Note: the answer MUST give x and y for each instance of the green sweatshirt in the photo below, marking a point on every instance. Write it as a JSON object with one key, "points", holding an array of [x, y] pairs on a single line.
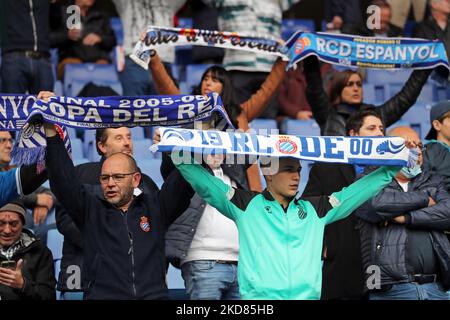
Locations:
{"points": [[280, 251]]}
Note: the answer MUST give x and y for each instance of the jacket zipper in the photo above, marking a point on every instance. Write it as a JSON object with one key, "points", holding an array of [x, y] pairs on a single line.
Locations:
{"points": [[33, 23], [287, 248], [131, 252]]}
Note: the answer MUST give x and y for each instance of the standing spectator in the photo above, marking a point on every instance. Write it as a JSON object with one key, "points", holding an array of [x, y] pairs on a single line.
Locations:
{"points": [[437, 153], [203, 242], [30, 274], [346, 96], [91, 41], [26, 65], [123, 229], [342, 272], [136, 16], [401, 9], [249, 70], [402, 235], [436, 25]]}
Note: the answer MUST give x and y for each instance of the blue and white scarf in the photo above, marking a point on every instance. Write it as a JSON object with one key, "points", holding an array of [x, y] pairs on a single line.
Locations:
{"points": [[19, 112], [345, 50], [353, 150]]}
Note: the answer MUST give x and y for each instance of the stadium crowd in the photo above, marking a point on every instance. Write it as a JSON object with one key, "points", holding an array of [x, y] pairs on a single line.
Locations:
{"points": [[113, 221]]}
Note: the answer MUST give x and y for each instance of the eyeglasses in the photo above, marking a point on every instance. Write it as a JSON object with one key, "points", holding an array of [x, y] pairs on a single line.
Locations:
{"points": [[117, 177], [4, 140], [352, 83]]}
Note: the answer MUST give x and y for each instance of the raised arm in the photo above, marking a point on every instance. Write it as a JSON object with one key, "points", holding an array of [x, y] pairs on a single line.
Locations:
{"points": [[317, 98], [254, 106], [64, 183], [211, 189], [350, 198], [163, 82]]}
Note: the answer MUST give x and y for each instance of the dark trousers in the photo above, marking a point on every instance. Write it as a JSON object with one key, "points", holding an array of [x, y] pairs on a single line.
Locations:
{"points": [[21, 74]]}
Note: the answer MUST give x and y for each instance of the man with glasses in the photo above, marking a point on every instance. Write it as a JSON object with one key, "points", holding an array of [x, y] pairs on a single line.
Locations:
{"points": [[123, 228], [405, 252], [26, 264]]}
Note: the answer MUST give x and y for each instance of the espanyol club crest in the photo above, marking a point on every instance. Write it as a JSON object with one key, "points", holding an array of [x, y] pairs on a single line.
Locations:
{"points": [[145, 224], [301, 44], [286, 146]]}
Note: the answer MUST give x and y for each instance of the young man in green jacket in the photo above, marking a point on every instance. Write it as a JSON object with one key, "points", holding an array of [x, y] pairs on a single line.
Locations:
{"points": [[280, 236]]}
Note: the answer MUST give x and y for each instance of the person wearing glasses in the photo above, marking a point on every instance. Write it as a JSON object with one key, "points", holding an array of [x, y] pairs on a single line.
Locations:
{"points": [[345, 96], [123, 228], [405, 252]]}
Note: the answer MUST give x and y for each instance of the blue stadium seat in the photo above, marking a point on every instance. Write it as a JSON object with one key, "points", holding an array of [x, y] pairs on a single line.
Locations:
{"points": [[291, 26], [194, 74], [89, 147], [141, 149], [72, 133], [55, 243], [77, 148], [426, 95], [185, 23], [264, 126], [369, 93], [79, 74], [137, 133], [418, 118], [381, 77], [116, 26], [304, 175], [151, 167], [301, 127], [58, 88]]}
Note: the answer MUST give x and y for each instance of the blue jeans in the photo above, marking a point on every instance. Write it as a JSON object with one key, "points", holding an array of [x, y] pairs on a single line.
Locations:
{"points": [[209, 280], [412, 291], [136, 81], [21, 74]]}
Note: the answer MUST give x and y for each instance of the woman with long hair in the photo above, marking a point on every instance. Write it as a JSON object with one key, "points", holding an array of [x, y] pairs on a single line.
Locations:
{"points": [[217, 79], [346, 97]]}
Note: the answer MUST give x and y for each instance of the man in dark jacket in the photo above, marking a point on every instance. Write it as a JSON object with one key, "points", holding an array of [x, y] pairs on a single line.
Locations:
{"points": [[26, 269], [123, 233], [436, 25], [26, 64], [342, 276], [406, 254], [108, 142], [436, 156]]}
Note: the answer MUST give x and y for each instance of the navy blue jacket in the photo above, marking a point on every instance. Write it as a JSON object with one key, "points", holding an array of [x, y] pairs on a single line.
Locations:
{"points": [[122, 258]]}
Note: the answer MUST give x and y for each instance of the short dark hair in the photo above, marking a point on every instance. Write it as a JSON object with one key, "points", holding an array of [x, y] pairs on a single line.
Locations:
{"points": [[100, 136], [356, 120]]}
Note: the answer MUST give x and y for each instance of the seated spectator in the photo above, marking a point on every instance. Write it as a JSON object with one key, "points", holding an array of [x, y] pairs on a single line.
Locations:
{"points": [[436, 156], [91, 41], [40, 201], [406, 255], [342, 276], [26, 269], [436, 25]]}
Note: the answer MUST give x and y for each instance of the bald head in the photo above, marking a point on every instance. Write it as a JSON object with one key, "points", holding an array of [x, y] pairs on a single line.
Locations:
{"points": [[405, 132], [124, 159]]}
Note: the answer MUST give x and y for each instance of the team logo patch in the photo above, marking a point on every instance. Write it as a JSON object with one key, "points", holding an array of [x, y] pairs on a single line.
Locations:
{"points": [[28, 130], [145, 224], [268, 209], [389, 147], [301, 213], [301, 44], [286, 146]]}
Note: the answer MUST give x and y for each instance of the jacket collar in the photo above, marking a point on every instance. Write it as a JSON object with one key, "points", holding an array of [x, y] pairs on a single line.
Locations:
{"points": [[268, 196]]}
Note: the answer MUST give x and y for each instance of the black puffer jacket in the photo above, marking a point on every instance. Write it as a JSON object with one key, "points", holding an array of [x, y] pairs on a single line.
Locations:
{"points": [[332, 119], [37, 270], [181, 232], [385, 246]]}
